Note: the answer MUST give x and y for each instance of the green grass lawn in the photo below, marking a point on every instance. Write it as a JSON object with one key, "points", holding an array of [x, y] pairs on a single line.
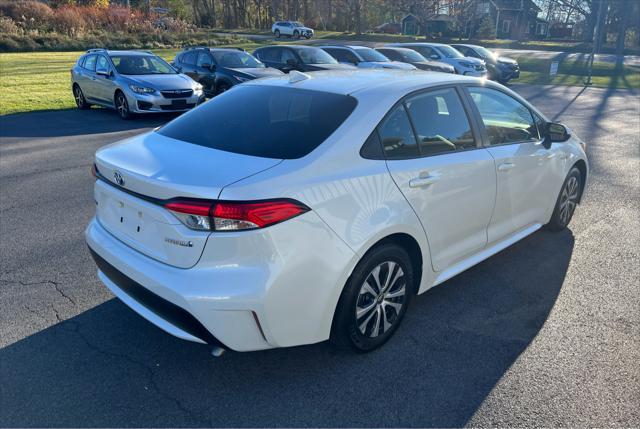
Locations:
{"points": [[32, 81]]}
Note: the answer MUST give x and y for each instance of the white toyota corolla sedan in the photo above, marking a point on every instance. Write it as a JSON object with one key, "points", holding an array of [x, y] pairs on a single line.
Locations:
{"points": [[296, 209]]}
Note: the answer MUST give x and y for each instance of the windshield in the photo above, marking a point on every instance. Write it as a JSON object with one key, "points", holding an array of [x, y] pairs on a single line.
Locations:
{"points": [[297, 24], [411, 56], [141, 64], [265, 121], [236, 60], [315, 56], [369, 54], [448, 51], [484, 52]]}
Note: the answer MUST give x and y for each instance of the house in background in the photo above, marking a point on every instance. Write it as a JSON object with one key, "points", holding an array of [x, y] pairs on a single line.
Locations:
{"points": [[435, 26], [410, 25], [514, 19]]}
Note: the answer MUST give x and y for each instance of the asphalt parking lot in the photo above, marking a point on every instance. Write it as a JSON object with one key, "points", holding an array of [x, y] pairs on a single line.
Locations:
{"points": [[546, 333]]}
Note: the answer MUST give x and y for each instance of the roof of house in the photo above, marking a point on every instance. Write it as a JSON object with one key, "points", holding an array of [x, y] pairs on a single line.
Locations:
{"points": [[515, 4]]}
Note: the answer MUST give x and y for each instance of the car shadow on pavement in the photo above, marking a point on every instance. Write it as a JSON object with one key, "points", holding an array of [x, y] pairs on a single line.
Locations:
{"points": [[72, 122], [109, 367]]}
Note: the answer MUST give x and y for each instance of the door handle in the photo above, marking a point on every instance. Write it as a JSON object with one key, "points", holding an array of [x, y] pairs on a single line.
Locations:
{"points": [[506, 166], [423, 181]]}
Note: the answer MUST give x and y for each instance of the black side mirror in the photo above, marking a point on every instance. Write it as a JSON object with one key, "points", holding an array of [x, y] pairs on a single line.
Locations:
{"points": [[556, 133], [103, 72]]}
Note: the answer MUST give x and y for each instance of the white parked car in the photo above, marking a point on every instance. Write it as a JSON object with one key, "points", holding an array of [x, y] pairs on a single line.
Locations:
{"points": [[295, 209], [291, 29]]}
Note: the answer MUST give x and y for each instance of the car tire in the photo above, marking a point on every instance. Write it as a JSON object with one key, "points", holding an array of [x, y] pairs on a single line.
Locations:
{"points": [[277, 34], [296, 34], [374, 300], [122, 106], [567, 201], [307, 37], [78, 95]]}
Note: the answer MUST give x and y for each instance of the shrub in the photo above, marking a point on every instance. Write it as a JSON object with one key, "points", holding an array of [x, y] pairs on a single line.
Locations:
{"points": [[68, 20], [8, 26], [487, 28], [32, 15]]}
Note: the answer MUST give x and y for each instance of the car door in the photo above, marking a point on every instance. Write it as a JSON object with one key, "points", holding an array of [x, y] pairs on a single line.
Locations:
{"points": [[287, 28], [271, 57], [104, 84], [526, 171], [204, 71], [87, 76], [188, 64], [434, 155]]}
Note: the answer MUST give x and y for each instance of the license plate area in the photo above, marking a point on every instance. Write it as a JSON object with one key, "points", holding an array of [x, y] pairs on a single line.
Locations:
{"points": [[147, 227], [178, 102]]}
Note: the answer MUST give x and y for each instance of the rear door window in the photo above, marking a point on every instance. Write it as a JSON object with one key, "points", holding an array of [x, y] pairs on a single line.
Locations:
{"points": [[263, 121], [396, 134], [90, 63], [342, 55], [189, 58], [441, 122], [271, 55], [204, 59]]}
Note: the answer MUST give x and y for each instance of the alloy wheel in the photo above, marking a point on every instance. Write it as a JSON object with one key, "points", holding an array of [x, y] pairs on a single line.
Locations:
{"points": [[380, 299], [569, 199], [121, 106], [77, 94]]}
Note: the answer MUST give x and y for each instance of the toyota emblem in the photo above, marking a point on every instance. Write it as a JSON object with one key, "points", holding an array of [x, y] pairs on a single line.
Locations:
{"points": [[118, 178]]}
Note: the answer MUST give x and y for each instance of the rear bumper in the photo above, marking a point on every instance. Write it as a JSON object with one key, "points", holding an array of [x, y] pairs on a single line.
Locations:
{"points": [[250, 291]]}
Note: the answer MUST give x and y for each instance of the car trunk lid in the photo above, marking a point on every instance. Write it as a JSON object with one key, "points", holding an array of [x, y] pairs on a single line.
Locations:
{"points": [[138, 175]]}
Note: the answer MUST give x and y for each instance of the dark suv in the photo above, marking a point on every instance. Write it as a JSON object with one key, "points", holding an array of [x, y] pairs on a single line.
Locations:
{"points": [[218, 69], [298, 57]]}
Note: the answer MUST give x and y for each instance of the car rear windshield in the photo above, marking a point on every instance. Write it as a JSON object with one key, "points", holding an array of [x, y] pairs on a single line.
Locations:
{"points": [[264, 121]]}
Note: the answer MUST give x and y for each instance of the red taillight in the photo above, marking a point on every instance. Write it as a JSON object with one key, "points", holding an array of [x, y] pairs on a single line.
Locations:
{"points": [[240, 215], [194, 207], [234, 216]]}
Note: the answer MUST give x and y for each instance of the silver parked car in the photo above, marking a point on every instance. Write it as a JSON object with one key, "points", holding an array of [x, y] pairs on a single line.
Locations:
{"points": [[132, 82]]}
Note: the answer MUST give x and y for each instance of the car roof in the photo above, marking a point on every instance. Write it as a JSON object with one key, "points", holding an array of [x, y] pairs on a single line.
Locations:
{"points": [[394, 48], [126, 53], [289, 46], [352, 47], [349, 82], [399, 45], [466, 45]]}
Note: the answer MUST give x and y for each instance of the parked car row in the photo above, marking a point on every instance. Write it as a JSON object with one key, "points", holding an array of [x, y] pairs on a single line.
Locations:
{"points": [[135, 82]]}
